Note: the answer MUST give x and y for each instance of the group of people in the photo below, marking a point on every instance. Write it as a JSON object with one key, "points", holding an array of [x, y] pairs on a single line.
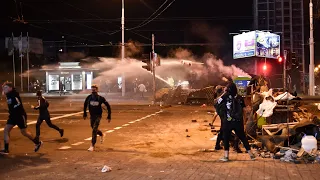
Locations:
{"points": [[229, 107], [18, 116]]}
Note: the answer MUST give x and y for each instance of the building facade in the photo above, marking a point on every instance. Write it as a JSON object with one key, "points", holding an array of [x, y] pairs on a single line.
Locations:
{"points": [[68, 77], [286, 18]]}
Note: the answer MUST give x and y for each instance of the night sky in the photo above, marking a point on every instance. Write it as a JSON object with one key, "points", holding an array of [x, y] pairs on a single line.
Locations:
{"points": [[97, 22]]}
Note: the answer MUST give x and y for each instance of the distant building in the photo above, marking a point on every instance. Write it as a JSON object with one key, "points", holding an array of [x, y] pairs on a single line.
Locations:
{"points": [[286, 17], [68, 76]]}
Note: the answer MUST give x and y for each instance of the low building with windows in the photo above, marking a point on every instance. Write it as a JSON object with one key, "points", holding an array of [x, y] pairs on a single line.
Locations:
{"points": [[68, 77]]}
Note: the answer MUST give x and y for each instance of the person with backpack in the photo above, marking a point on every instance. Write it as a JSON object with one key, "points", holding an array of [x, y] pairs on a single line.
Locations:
{"points": [[234, 140], [94, 101], [230, 106], [44, 114]]}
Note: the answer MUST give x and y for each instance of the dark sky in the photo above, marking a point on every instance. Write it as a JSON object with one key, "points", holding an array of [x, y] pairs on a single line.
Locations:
{"points": [[185, 21], [92, 21]]}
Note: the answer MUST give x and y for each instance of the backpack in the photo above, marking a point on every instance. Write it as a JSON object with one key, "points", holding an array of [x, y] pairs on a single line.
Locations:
{"points": [[236, 112]]}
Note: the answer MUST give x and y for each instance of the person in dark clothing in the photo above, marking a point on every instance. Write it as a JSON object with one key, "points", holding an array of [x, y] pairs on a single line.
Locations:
{"points": [[94, 101], [230, 106], [44, 114], [235, 139], [17, 116]]}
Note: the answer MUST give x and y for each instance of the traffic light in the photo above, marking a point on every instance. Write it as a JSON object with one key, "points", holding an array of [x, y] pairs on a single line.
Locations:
{"points": [[264, 67], [146, 59]]}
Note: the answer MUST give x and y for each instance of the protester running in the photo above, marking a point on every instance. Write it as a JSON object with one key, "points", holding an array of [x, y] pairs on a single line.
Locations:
{"points": [[17, 116], [94, 101], [230, 106], [44, 114]]}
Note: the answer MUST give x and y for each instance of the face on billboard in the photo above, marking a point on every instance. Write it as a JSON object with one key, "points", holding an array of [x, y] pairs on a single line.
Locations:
{"points": [[268, 45], [244, 45]]}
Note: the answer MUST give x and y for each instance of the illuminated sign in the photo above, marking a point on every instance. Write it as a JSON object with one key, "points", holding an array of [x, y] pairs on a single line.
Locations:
{"points": [[268, 45], [244, 45], [256, 43]]}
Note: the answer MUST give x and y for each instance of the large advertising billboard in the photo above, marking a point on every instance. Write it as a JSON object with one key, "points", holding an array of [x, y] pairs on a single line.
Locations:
{"points": [[256, 43], [244, 45], [268, 45]]}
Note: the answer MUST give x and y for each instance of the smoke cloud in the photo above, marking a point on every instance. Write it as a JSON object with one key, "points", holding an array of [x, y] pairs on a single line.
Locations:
{"points": [[204, 71]]}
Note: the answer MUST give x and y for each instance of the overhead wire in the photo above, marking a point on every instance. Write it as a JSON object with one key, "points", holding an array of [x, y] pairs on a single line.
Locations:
{"points": [[141, 25], [63, 33], [139, 19], [70, 20]]}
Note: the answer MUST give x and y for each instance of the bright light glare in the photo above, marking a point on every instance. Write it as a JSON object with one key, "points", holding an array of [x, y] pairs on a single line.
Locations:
{"points": [[264, 67]]}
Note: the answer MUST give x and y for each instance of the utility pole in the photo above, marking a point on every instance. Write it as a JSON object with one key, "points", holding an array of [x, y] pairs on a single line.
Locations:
{"points": [[28, 62], [13, 63], [21, 54], [311, 44], [285, 69], [153, 70], [123, 85]]}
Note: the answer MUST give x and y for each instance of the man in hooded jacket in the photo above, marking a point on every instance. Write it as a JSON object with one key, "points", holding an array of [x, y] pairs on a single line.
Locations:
{"points": [[230, 106]]}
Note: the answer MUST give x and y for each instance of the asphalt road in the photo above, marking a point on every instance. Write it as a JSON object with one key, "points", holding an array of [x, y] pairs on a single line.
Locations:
{"points": [[142, 142], [66, 114]]}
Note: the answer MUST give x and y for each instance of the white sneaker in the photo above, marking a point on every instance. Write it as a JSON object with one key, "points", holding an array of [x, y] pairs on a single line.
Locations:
{"points": [[91, 148], [224, 159], [102, 138]]}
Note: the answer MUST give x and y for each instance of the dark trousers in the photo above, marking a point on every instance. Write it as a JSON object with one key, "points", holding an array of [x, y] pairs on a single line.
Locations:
{"points": [[95, 122], [238, 128], [220, 138], [48, 121]]}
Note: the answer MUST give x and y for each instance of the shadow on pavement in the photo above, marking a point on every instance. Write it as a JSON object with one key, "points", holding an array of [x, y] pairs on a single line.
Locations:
{"points": [[14, 162], [63, 140]]}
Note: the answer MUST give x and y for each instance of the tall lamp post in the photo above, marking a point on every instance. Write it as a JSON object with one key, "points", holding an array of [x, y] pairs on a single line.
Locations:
{"points": [[123, 81], [311, 44]]}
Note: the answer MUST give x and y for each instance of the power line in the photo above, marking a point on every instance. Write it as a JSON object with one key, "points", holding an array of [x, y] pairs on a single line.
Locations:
{"points": [[154, 12], [157, 44], [72, 21], [140, 19], [64, 33], [141, 25]]}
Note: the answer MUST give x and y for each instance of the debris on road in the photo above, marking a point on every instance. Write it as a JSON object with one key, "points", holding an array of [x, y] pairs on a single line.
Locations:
{"points": [[188, 136], [194, 120], [106, 169]]}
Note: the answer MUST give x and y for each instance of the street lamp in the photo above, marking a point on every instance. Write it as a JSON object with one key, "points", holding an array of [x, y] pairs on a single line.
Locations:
{"points": [[311, 44], [123, 85]]}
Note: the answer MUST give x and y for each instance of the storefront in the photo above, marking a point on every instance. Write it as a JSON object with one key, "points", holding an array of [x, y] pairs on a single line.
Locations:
{"points": [[68, 76]]}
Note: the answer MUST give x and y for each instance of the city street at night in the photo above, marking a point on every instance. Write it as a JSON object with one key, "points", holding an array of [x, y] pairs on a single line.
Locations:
{"points": [[142, 142]]}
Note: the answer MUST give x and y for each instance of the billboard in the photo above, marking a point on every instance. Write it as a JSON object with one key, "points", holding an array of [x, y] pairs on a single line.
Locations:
{"points": [[268, 45], [244, 45], [256, 43]]}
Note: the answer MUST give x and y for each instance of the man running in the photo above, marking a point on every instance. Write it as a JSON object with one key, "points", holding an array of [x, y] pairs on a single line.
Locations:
{"points": [[17, 116], [94, 102], [44, 114]]}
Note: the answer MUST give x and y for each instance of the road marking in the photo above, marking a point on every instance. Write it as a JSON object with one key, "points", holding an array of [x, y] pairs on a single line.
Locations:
{"points": [[54, 118], [126, 125], [3, 120], [132, 122], [118, 128], [88, 139], [76, 144], [110, 131], [65, 147]]}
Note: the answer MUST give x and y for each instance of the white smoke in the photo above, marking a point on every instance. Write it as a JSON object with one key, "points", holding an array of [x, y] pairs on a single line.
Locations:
{"points": [[210, 72]]}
